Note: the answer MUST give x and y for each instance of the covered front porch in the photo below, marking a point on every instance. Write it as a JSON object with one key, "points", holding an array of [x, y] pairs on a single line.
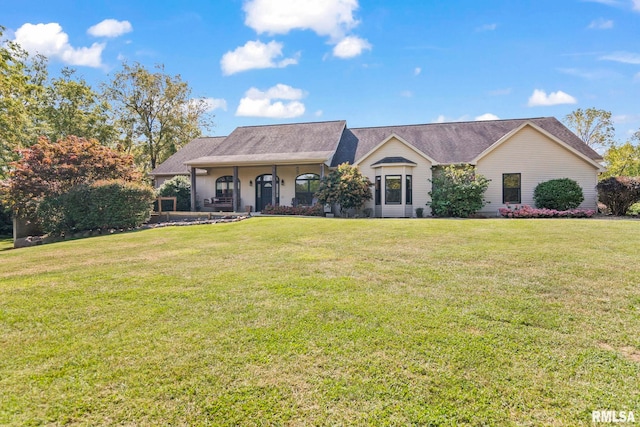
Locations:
{"points": [[250, 187]]}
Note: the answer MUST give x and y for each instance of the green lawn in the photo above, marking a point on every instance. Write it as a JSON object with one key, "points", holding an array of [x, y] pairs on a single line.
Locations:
{"points": [[6, 243], [301, 321]]}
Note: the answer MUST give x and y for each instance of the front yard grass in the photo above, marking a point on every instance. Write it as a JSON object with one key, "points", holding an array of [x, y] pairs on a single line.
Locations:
{"points": [[303, 321], [6, 243]]}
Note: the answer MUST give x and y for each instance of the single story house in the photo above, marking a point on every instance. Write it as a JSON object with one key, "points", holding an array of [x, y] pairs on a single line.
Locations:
{"points": [[282, 164]]}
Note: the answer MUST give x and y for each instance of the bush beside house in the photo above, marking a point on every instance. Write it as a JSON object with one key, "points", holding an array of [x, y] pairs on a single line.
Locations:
{"points": [[558, 194], [457, 191], [345, 186], [180, 188]]}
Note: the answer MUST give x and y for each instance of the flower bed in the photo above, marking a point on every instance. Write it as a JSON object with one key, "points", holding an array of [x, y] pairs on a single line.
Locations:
{"points": [[315, 210], [526, 211]]}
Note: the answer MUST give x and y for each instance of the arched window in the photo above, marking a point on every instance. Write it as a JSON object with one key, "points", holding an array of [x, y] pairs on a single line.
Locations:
{"points": [[306, 186], [224, 186]]}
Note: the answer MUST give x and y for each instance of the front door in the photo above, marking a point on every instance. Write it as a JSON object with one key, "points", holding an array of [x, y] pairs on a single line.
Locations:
{"points": [[264, 191]]}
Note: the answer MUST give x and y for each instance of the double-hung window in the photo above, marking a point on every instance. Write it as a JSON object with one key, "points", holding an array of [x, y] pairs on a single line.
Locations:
{"points": [[511, 188]]}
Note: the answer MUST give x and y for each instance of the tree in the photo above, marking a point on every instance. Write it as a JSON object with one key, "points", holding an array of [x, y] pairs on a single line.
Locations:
{"points": [[592, 126], [72, 107], [52, 168], [622, 160], [154, 113], [345, 186], [457, 191], [21, 91]]}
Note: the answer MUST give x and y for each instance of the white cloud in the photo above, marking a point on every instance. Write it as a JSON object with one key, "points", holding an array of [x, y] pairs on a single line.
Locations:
{"points": [[254, 55], [487, 27], [332, 18], [110, 28], [212, 104], [636, 5], [319, 113], [443, 119], [257, 103], [540, 98], [417, 71], [49, 40], [487, 116], [636, 78], [350, 47], [406, 94], [601, 24], [624, 57]]}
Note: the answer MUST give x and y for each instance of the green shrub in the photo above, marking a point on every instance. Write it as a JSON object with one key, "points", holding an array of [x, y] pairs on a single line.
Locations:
{"points": [[101, 205], [420, 212], [457, 191], [634, 209], [179, 187], [619, 193], [6, 224], [560, 194], [345, 186]]}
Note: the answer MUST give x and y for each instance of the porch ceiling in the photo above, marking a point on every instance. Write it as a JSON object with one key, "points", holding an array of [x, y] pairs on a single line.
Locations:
{"points": [[266, 159]]}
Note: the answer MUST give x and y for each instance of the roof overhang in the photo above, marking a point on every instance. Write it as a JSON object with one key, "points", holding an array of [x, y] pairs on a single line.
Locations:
{"points": [[266, 159], [184, 173], [558, 141]]}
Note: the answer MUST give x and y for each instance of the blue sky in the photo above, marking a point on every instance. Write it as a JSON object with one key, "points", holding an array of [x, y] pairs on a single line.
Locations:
{"points": [[371, 62]]}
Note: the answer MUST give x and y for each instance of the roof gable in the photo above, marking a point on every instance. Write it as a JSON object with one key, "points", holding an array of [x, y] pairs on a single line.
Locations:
{"points": [[453, 143], [393, 136], [552, 137]]}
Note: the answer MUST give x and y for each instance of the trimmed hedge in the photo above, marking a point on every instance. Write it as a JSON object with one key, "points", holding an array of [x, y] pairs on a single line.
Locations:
{"points": [[100, 205], [619, 193], [559, 194]]}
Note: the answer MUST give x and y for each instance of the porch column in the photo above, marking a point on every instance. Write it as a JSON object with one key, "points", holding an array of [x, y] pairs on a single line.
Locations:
{"points": [[321, 170], [236, 190], [275, 184], [193, 189]]}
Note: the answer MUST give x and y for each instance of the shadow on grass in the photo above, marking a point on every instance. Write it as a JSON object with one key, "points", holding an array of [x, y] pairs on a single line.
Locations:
{"points": [[6, 243]]}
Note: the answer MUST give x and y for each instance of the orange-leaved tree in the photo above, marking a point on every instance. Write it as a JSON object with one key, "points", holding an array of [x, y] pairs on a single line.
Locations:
{"points": [[49, 169]]}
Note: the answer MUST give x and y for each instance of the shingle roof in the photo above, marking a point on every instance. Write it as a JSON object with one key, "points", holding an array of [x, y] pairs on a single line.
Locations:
{"points": [[199, 147], [450, 142], [313, 141], [445, 143]]}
